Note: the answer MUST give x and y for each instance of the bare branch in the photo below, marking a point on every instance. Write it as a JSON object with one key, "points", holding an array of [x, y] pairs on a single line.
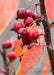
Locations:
{"points": [[47, 33]]}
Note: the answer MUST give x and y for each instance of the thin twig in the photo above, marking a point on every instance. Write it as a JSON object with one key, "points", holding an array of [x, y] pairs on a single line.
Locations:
{"points": [[9, 64], [4, 54], [32, 5], [49, 47], [5, 72]]}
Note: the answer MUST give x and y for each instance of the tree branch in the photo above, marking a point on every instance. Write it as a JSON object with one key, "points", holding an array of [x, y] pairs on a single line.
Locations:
{"points": [[47, 33], [4, 54]]}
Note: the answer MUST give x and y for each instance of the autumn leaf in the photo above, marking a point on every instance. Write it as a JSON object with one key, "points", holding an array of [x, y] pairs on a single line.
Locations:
{"points": [[49, 5], [45, 74], [52, 25], [47, 62], [7, 11], [32, 27], [18, 49], [17, 42], [30, 59], [16, 45], [46, 65], [24, 49]]}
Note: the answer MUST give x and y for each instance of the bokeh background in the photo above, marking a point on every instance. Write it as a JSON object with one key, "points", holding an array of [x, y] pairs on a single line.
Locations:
{"points": [[8, 35]]}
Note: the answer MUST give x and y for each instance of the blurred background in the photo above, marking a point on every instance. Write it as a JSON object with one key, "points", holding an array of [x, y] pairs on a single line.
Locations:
{"points": [[8, 35]]}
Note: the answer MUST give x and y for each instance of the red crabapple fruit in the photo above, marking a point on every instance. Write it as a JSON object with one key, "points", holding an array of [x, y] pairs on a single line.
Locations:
{"points": [[12, 56], [23, 31], [21, 13], [29, 13], [17, 26], [8, 44], [28, 21], [33, 34]]}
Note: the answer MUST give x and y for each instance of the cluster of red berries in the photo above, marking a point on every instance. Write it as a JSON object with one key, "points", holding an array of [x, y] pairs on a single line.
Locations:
{"points": [[21, 29], [11, 55]]}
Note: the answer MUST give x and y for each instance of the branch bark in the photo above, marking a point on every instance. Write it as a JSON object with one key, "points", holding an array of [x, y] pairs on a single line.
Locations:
{"points": [[4, 54], [47, 33]]}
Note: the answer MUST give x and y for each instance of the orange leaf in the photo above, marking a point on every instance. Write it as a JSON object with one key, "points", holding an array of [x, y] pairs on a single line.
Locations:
{"points": [[52, 25], [49, 4], [45, 70], [24, 49], [46, 65], [30, 59], [47, 62], [45, 74], [19, 50], [7, 11], [41, 38], [30, 28], [16, 49], [18, 74], [17, 42]]}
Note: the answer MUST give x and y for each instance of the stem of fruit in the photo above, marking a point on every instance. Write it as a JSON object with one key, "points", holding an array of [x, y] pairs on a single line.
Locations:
{"points": [[49, 47], [47, 33], [8, 72], [9, 65], [5, 59], [36, 4]]}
